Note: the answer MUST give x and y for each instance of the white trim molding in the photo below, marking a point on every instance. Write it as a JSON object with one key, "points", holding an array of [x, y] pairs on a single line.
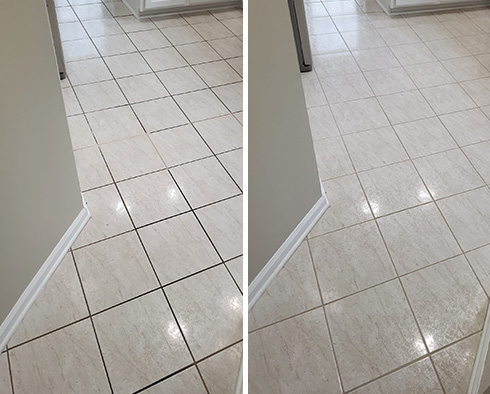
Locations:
{"points": [[8, 327], [481, 358], [282, 255], [239, 385]]}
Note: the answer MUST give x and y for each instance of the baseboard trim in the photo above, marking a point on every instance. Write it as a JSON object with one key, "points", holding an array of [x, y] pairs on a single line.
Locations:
{"points": [[239, 385], [481, 357], [282, 255], [8, 327]]}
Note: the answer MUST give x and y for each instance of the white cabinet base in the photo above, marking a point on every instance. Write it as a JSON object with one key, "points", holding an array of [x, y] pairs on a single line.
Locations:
{"points": [[399, 7]]}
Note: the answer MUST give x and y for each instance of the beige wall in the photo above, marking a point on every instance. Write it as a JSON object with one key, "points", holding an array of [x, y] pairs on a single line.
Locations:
{"points": [[283, 177], [39, 196]]}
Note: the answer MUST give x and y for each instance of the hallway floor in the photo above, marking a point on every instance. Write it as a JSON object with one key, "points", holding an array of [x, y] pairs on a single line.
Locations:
{"points": [[389, 292], [149, 299]]}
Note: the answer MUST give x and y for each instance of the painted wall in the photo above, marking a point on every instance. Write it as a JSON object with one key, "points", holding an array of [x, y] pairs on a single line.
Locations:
{"points": [[283, 176], [40, 196]]}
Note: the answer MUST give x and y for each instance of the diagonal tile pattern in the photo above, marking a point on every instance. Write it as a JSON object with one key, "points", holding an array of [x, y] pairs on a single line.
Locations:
{"points": [[149, 299]]}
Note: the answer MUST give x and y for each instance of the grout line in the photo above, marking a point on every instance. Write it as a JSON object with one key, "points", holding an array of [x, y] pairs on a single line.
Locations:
{"points": [[11, 375]]}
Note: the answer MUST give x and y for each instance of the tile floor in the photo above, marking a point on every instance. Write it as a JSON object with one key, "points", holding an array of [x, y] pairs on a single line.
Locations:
{"points": [[149, 299], [389, 291]]}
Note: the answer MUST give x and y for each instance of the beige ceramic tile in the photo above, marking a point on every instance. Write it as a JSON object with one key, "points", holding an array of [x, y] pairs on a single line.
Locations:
{"points": [[365, 39], [180, 35], [180, 145], [81, 135], [102, 27], [448, 98], [79, 50], [416, 53], [375, 59], [131, 24], [149, 113], [467, 127], [212, 30], [448, 173], [380, 326], [466, 68], [164, 59], [101, 95], [201, 105], [231, 95], [131, 157], [181, 80], [398, 35], [235, 266], [424, 137], [429, 74], [114, 45], [418, 378], [448, 49], [447, 300], [375, 148], [468, 216], [227, 47], [149, 39], [60, 302], [224, 224], [432, 31], [211, 315], [91, 168], [220, 372], [114, 271], [72, 107], [455, 364], [322, 123], [334, 64], [343, 270], [71, 363], [5, 385], [332, 158], [478, 260], [233, 162], [314, 95], [392, 80], [108, 216], [186, 382], [478, 90], [405, 107], [114, 124], [417, 237], [200, 52], [292, 291], [221, 134], [178, 247], [127, 65], [393, 188], [300, 344], [141, 342]]}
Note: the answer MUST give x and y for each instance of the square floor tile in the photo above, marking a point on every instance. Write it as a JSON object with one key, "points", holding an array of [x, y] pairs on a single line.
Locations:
{"points": [[221, 134], [80, 133], [447, 300], [235, 266], [237, 64], [304, 342], [228, 48], [322, 123], [117, 8], [432, 31], [332, 158], [4, 375], [212, 30], [163, 22], [101, 95], [380, 326], [87, 71], [181, 80], [233, 162], [204, 182], [292, 291], [91, 11], [210, 314], [341, 88], [405, 107], [131, 157], [468, 127], [424, 137], [108, 216], [460, 28], [164, 59], [455, 364], [72, 107], [201, 105], [476, 44], [198, 17], [448, 49], [79, 50], [398, 35], [468, 215], [150, 114], [91, 168], [152, 197], [374, 148], [416, 53], [72, 31], [429, 74], [321, 25], [59, 303], [448, 98], [332, 64], [363, 39], [343, 270], [418, 377], [102, 27], [186, 382], [375, 59], [200, 52], [127, 65], [220, 372], [224, 224], [478, 260], [417, 237], [380, 19], [448, 173], [114, 124], [359, 115], [392, 80], [142, 88], [345, 23], [217, 73], [180, 145], [342, 7], [132, 24], [479, 155], [114, 45], [71, 363], [178, 247], [129, 335], [114, 270], [327, 43], [348, 205], [394, 188], [314, 95], [464, 69], [149, 39], [180, 35], [478, 90]]}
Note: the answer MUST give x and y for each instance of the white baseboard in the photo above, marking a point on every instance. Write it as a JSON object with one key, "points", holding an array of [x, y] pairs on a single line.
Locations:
{"points": [[8, 327], [481, 357], [282, 255], [239, 385]]}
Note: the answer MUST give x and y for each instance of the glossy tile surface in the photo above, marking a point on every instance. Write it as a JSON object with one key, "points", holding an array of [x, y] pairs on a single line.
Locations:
{"points": [[5, 385], [447, 300], [186, 382]]}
